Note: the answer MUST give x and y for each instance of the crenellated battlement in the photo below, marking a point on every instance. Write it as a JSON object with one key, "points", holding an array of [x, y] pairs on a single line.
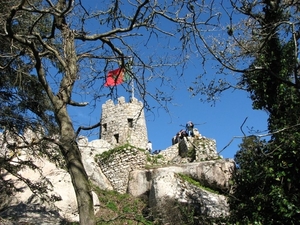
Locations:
{"points": [[124, 123]]}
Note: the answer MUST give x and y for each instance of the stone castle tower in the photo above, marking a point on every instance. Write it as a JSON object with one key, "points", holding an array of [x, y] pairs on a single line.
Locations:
{"points": [[124, 123]]}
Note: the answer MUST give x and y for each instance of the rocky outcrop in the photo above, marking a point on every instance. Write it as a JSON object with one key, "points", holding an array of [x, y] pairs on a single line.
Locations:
{"points": [[158, 178], [89, 151], [169, 186], [213, 174], [57, 200], [55, 204], [191, 149], [165, 183]]}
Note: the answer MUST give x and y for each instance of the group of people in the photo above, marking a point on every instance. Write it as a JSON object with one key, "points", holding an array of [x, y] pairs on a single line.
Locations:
{"points": [[187, 132]]}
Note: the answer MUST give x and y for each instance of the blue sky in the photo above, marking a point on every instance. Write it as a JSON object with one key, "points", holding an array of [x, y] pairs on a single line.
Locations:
{"points": [[220, 121]]}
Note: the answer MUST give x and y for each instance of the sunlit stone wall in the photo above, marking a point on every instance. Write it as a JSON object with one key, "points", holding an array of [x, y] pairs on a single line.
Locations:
{"points": [[124, 123]]}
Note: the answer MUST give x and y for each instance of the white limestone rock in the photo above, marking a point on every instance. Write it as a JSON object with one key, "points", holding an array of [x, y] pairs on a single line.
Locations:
{"points": [[162, 184], [215, 174], [88, 152], [169, 186], [28, 207]]}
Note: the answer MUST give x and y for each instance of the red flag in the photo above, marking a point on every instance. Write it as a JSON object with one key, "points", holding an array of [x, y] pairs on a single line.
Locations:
{"points": [[114, 77]]}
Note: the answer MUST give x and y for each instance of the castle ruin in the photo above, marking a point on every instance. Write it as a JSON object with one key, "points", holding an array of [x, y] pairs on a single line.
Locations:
{"points": [[124, 123], [126, 169]]}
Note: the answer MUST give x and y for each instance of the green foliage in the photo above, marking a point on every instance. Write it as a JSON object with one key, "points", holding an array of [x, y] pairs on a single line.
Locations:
{"points": [[109, 155], [112, 206], [120, 209], [154, 159], [191, 153], [267, 187], [23, 100], [173, 212], [267, 184], [177, 213], [248, 179], [197, 183]]}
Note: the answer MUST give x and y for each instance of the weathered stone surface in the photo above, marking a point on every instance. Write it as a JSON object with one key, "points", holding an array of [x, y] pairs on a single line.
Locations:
{"points": [[89, 151], [124, 171], [57, 204], [168, 186], [170, 154], [123, 123], [190, 149], [163, 184], [119, 164], [198, 148], [24, 213], [215, 174], [5, 222], [139, 182]]}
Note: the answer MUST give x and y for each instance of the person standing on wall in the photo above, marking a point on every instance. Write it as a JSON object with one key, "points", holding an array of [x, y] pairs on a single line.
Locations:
{"points": [[190, 128], [149, 147]]}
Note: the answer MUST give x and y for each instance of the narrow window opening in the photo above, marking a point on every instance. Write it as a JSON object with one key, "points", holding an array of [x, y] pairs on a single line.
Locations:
{"points": [[105, 127], [117, 137], [130, 122]]}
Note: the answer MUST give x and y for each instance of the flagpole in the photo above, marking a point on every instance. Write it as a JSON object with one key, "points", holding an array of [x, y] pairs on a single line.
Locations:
{"points": [[132, 81], [132, 88]]}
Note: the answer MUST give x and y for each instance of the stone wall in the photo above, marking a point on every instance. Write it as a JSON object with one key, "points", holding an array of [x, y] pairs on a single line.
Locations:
{"points": [[190, 149], [116, 165], [124, 123], [198, 149], [169, 154]]}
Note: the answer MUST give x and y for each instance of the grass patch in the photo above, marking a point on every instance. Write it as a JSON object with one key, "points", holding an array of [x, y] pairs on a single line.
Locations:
{"points": [[197, 183], [155, 159], [119, 209], [109, 155], [112, 206]]}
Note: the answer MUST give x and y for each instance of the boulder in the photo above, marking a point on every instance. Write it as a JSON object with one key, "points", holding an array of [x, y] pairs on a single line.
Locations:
{"points": [[163, 186], [167, 187], [57, 204], [214, 174], [89, 150]]}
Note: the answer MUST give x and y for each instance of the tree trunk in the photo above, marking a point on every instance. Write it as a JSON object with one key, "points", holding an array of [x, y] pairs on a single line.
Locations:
{"points": [[76, 169], [68, 143]]}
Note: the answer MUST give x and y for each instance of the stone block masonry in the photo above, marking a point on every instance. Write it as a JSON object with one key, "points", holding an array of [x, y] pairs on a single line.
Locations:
{"points": [[117, 163], [124, 123]]}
